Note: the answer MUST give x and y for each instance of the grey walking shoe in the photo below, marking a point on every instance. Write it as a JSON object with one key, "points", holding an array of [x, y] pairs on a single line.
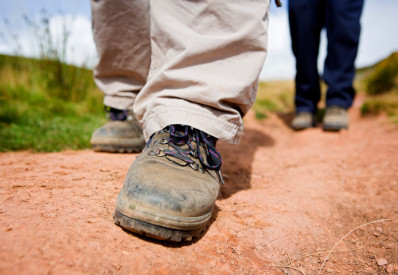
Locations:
{"points": [[335, 119], [170, 189], [121, 134], [303, 120]]}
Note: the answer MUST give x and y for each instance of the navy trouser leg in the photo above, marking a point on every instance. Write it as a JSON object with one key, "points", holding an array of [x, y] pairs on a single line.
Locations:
{"points": [[306, 19], [343, 29]]}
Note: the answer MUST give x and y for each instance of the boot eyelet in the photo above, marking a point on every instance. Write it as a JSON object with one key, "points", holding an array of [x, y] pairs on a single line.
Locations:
{"points": [[194, 166], [160, 153]]}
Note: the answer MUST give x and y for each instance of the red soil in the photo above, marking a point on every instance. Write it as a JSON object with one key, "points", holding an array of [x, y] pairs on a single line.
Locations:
{"points": [[288, 198]]}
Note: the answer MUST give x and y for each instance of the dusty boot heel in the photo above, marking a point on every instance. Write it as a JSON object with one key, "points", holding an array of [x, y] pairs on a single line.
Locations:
{"points": [[155, 231]]}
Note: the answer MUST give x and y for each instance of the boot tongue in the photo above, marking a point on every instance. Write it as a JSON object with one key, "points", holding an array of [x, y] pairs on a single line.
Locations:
{"points": [[187, 146], [117, 115]]}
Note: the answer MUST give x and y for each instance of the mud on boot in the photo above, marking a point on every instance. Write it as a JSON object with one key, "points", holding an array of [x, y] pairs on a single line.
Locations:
{"points": [[336, 118], [170, 189], [303, 120], [121, 134]]}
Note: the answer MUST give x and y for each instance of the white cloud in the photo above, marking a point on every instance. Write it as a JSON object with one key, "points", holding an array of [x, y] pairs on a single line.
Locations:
{"points": [[280, 61], [80, 48], [379, 36], [80, 44]]}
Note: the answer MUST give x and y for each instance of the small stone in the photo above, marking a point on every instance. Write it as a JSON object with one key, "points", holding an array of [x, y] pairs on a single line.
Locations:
{"points": [[395, 267], [379, 229], [376, 233], [381, 261], [390, 268], [8, 228]]}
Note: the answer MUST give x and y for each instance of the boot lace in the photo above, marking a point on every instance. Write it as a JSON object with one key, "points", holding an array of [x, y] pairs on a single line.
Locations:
{"points": [[187, 145]]}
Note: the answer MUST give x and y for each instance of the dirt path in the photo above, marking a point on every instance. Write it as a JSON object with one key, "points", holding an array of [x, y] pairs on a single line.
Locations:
{"points": [[287, 195]]}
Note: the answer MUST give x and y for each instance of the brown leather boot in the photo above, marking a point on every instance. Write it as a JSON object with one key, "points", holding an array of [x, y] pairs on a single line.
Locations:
{"points": [[336, 118], [303, 120], [121, 134], [170, 189]]}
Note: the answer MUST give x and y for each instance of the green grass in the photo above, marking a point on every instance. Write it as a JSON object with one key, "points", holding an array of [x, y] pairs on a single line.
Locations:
{"points": [[380, 83], [387, 103], [46, 105], [38, 114], [384, 77], [273, 96]]}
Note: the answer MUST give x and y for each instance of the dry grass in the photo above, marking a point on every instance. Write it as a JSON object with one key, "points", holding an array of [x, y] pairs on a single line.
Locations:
{"points": [[341, 239], [274, 96]]}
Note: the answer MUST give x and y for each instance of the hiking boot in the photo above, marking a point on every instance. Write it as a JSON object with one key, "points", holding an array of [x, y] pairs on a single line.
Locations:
{"points": [[121, 134], [170, 189], [335, 119], [303, 120]]}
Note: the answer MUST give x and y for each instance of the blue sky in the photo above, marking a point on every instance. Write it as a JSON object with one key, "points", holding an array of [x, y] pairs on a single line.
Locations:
{"points": [[379, 36]]}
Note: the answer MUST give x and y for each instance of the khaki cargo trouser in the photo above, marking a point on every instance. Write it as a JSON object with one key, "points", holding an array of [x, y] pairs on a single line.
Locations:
{"points": [[181, 62]]}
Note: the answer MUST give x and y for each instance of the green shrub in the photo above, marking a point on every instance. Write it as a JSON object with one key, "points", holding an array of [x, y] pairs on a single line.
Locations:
{"points": [[384, 77], [259, 115], [32, 117], [267, 104], [64, 81], [46, 104], [273, 96], [264, 105], [385, 104]]}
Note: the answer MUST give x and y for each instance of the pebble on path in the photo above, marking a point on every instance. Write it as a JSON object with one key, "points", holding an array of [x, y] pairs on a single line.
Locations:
{"points": [[381, 261]]}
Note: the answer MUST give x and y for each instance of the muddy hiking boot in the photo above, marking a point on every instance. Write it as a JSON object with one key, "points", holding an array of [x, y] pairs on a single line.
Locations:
{"points": [[170, 189], [303, 120], [335, 119], [121, 134]]}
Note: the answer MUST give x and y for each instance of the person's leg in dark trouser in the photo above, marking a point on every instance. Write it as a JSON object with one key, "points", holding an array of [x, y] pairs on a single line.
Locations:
{"points": [[306, 19], [343, 30]]}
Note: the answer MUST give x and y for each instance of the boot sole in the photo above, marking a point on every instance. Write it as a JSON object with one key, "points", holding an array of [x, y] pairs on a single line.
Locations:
{"points": [[155, 231], [334, 128], [303, 126], [117, 148]]}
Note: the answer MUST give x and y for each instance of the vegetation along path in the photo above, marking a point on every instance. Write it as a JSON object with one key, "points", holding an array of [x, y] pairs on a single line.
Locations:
{"points": [[288, 198]]}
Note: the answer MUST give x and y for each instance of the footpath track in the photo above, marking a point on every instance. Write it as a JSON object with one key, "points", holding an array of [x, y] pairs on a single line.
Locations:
{"points": [[288, 198]]}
